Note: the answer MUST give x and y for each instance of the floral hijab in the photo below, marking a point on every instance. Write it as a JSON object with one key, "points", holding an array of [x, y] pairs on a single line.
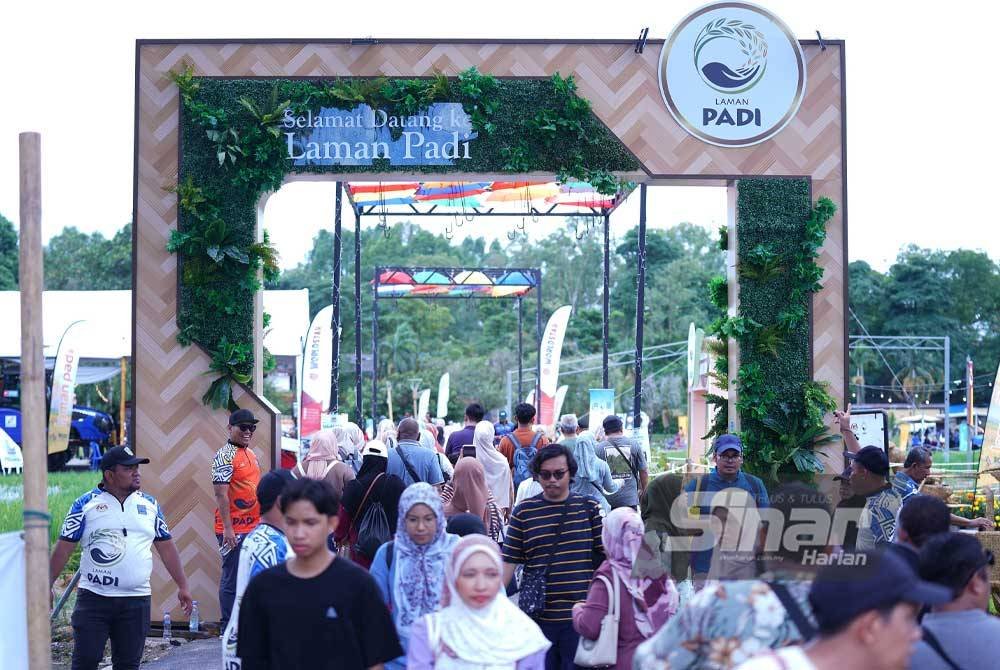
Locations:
{"points": [[419, 578]]}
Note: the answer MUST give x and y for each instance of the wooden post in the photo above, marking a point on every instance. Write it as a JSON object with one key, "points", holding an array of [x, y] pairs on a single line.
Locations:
{"points": [[121, 403], [36, 507]]}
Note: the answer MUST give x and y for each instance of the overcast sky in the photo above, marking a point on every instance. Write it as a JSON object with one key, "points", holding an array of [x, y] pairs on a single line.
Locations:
{"points": [[922, 146]]}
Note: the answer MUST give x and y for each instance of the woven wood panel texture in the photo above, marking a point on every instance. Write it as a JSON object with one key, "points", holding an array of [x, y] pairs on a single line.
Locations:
{"points": [[180, 435]]}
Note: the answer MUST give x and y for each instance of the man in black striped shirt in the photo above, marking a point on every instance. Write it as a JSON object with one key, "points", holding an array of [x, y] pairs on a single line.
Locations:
{"points": [[572, 556]]}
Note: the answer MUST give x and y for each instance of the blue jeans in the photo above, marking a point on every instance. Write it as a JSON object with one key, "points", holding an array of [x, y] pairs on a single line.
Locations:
{"points": [[564, 640]]}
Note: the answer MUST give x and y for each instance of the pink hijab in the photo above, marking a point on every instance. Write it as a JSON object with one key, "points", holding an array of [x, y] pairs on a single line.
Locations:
{"points": [[623, 537], [322, 452]]}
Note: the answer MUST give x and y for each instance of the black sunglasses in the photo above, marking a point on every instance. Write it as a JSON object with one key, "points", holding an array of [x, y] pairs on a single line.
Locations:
{"points": [[245, 427], [546, 475]]}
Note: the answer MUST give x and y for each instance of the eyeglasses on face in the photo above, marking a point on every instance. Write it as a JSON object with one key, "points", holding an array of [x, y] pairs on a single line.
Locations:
{"points": [[546, 475], [247, 427]]}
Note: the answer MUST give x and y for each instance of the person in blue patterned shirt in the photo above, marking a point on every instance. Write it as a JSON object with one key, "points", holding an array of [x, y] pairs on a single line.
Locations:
{"points": [[869, 478], [263, 548]]}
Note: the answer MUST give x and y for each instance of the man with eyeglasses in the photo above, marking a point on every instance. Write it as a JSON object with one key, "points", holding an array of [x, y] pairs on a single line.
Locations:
{"points": [[235, 475], [727, 474], [559, 534], [957, 634]]}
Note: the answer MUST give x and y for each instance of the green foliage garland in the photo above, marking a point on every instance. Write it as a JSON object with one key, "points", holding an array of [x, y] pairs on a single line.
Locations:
{"points": [[781, 408], [233, 151]]}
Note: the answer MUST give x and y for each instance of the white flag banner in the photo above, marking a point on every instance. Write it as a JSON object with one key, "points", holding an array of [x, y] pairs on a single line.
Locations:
{"points": [[317, 364], [560, 397], [444, 391], [423, 406], [63, 389], [13, 617], [551, 352]]}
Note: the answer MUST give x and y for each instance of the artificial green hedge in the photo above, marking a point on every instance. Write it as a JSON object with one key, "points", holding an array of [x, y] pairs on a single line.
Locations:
{"points": [[232, 152], [779, 234]]}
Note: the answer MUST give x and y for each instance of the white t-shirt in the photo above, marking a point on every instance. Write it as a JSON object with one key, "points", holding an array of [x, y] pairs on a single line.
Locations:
{"points": [[115, 558], [789, 658]]}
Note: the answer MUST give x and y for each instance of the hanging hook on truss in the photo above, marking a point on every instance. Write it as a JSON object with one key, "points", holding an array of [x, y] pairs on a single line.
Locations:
{"points": [[576, 232], [449, 232], [511, 235]]}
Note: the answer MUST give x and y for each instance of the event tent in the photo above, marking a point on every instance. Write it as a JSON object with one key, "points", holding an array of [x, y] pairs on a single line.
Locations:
{"points": [[107, 333]]}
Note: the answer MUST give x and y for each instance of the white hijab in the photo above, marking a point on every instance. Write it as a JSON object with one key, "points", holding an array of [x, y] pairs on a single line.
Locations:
{"points": [[498, 634], [498, 477]]}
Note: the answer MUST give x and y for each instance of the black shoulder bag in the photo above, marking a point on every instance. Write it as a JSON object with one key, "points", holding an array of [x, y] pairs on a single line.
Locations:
{"points": [[799, 618], [531, 593], [934, 644], [409, 468]]}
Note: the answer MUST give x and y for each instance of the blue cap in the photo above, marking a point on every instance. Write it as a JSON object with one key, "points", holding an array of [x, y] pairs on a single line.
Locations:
{"points": [[727, 441], [842, 592]]}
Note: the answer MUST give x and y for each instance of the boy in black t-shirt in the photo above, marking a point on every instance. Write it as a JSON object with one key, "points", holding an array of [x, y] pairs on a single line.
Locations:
{"points": [[317, 610]]}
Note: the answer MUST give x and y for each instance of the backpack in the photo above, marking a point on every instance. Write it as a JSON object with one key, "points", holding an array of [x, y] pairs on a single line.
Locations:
{"points": [[522, 457], [373, 528]]}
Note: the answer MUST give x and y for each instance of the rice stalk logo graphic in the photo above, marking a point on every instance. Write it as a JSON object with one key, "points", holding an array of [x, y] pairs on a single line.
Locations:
{"points": [[106, 547], [730, 55]]}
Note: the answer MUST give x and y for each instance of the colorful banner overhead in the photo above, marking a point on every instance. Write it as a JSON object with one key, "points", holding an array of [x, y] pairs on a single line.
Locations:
{"points": [[63, 389], [453, 283], [495, 197], [550, 354], [444, 390], [317, 364]]}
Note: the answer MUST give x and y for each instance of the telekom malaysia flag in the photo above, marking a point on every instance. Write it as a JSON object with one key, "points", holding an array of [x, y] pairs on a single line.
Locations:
{"points": [[551, 352], [317, 363]]}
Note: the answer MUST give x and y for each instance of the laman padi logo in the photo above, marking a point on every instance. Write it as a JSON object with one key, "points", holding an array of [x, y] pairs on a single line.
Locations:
{"points": [[732, 74], [731, 55], [106, 547]]}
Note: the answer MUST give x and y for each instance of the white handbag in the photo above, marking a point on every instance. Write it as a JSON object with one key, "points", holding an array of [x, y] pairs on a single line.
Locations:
{"points": [[603, 651]]}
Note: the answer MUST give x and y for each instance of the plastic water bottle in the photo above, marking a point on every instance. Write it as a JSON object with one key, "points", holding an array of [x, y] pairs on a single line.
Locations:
{"points": [[166, 627], [195, 618]]}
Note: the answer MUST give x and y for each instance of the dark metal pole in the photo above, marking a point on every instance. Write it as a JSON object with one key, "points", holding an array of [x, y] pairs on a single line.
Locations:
{"points": [[538, 340], [606, 305], [520, 350], [375, 345], [335, 325], [357, 318], [640, 304]]}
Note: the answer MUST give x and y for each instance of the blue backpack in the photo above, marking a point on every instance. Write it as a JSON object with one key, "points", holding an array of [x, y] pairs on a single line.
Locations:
{"points": [[522, 457]]}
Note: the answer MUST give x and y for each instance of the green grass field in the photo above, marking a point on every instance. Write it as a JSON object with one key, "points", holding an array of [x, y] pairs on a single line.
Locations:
{"points": [[64, 488]]}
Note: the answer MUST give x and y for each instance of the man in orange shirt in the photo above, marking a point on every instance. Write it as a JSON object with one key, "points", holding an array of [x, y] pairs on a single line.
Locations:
{"points": [[524, 435], [235, 475]]}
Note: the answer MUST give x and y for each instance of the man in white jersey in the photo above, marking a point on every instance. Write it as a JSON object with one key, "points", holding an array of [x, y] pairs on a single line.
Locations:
{"points": [[263, 548], [118, 524]]}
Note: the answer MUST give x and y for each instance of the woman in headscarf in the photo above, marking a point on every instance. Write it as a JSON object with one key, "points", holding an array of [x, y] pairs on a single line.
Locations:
{"points": [[655, 505], [646, 599], [467, 492], [477, 626], [350, 442], [593, 478], [495, 466], [387, 433], [409, 570], [427, 441], [323, 462], [372, 486]]}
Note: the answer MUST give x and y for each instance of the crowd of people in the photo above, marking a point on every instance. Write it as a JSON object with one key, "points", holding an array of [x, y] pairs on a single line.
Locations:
{"points": [[504, 547]]}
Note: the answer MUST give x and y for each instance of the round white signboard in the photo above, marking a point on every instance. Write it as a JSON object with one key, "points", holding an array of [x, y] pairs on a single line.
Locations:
{"points": [[732, 74]]}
